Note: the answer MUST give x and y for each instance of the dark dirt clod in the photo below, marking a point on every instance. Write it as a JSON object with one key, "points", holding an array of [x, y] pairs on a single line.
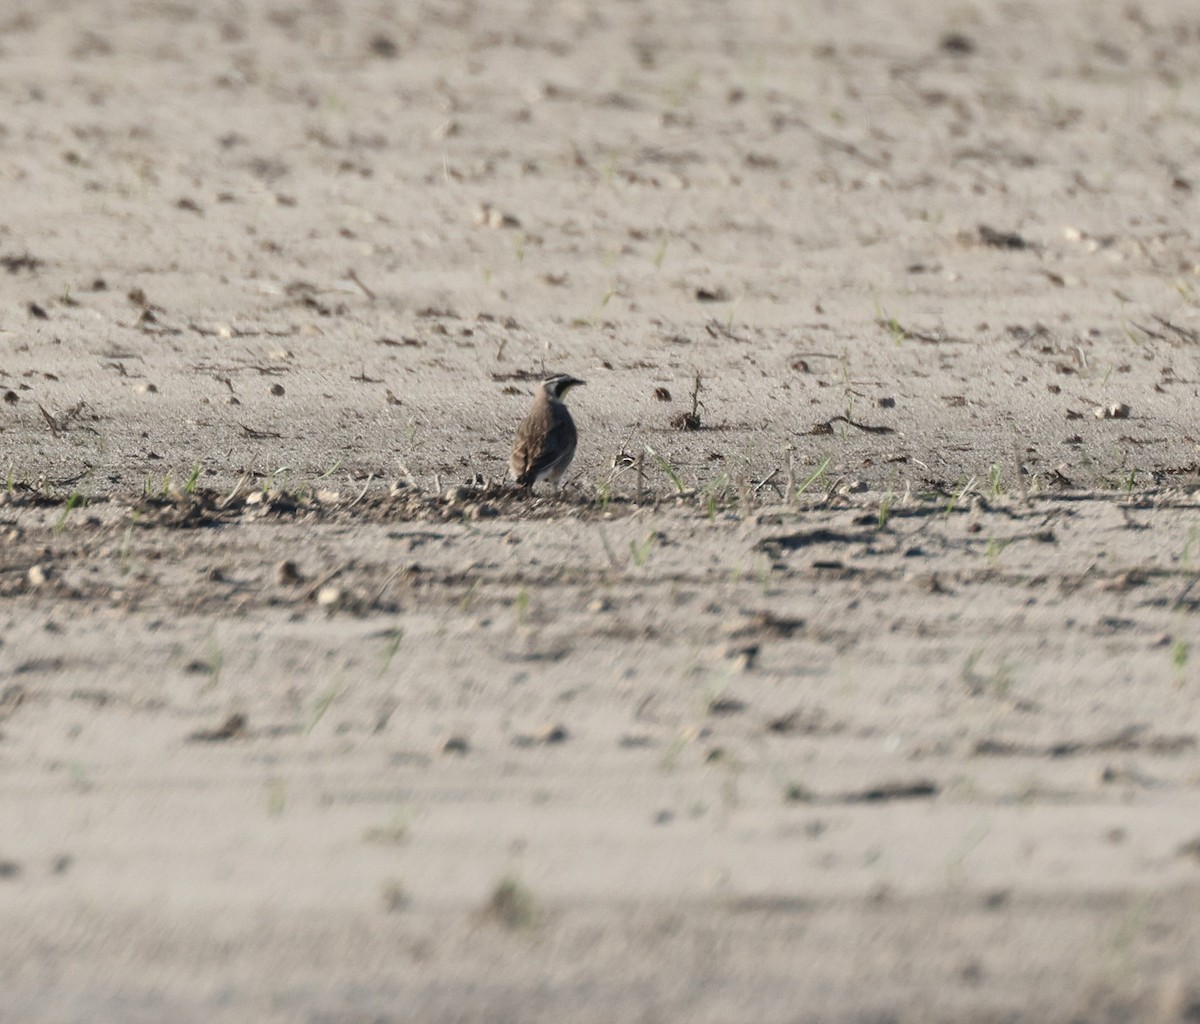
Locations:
{"points": [[956, 43], [15, 264], [235, 726], [1001, 239]]}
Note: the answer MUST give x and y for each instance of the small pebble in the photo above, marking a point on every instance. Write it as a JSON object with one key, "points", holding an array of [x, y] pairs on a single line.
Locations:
{"points": [[487, 215], [330, 596]]}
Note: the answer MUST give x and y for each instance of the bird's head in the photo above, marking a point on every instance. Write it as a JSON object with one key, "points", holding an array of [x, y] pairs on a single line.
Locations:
{"points": [[558, 385]]}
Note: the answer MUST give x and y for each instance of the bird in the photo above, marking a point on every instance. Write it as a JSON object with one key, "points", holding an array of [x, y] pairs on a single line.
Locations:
{"points": [[546, 438]]}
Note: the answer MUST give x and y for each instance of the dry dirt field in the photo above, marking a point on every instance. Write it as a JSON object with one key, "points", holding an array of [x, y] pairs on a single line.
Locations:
{"points": [[871, 699]]}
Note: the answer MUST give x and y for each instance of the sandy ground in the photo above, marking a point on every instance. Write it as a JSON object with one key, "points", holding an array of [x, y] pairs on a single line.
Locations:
{"points": [[873, 699]]}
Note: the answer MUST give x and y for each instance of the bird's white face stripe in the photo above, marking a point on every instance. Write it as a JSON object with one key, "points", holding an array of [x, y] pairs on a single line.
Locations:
{"points": [[560, 384]]}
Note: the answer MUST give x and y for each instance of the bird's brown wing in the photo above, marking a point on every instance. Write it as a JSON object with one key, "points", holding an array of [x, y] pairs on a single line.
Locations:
{"points": [[544, 439]]}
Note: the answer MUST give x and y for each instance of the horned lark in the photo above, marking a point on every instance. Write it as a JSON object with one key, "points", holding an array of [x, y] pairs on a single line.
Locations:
{"points": [[546, 438]]}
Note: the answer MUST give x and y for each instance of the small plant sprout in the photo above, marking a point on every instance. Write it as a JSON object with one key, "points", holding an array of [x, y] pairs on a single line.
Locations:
{"points": [[276, 797], [189, 485], [890, 324], [818, 474], [335, 690], [667, 468], [763, 567], [127, 547], [594, 316], [74, 501], [714, 493], [1180, 650], [956, 863], [394, 833], [1189, 546], [670, 758], [956, 499], [390, 647], [660, 252], [215, 661], [996, 683], [733, 311], [641, 552], [1123, 944], [522, 604], [995, 481], [994, 548], [79, 776], [885, 508], [331, 470], [413, 435], [468, 599]]}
